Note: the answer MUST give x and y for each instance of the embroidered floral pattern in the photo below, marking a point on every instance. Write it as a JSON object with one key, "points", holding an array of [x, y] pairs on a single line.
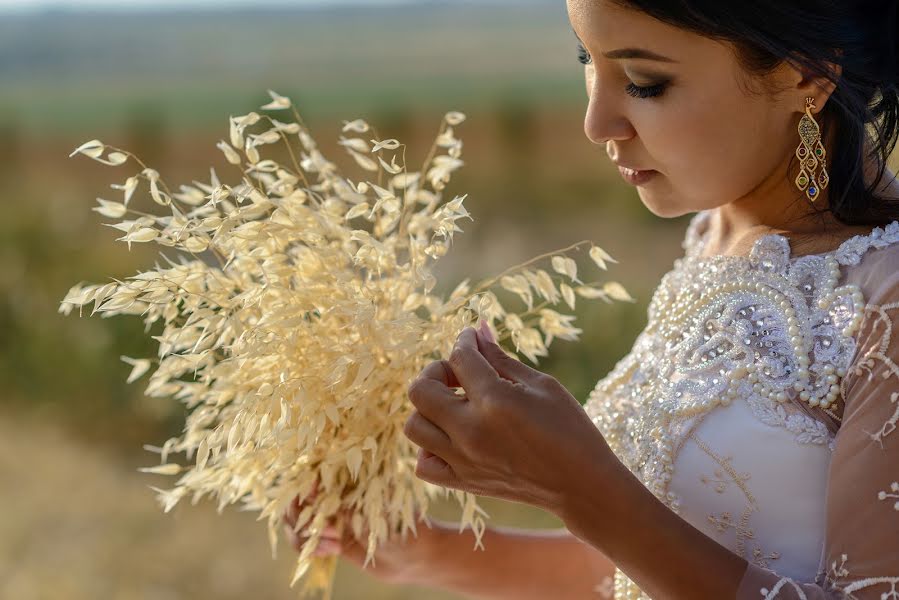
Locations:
{"points": [[720, 484], [806, 429], [724, 522], [772, 331], [761, 559], [875, 366], [837, 584], [893, 493], [718, 329]]}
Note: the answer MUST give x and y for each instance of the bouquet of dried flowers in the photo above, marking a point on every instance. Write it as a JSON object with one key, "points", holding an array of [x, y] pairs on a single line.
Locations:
{"points": [[296, 313]]}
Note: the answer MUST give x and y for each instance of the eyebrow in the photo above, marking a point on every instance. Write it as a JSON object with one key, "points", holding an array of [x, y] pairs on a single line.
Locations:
{"points": [[632, 53]]}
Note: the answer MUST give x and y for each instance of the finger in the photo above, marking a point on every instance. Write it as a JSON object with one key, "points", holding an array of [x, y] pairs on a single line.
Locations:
{"points": [[327, 548], [505, 365], [327, 532], [326, 545], [434, 469], [433, 399], [292, 538], [425, 434], [293, 510], [440, 371], [296, 540], [474, 373]]}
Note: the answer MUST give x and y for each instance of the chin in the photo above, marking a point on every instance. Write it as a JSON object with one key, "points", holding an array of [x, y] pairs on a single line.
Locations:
{"points": [[664, 209]]}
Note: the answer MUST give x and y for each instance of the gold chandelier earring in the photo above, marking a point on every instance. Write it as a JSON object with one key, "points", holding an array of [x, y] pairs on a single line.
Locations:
{"points": [[809, 152]]}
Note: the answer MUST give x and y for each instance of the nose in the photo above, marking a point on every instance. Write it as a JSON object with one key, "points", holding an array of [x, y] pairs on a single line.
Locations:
{"points": [[604, 120]]}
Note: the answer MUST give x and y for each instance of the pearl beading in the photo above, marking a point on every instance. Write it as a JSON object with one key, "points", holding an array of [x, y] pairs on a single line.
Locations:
{"points": [[767, 328], [686, 310]]}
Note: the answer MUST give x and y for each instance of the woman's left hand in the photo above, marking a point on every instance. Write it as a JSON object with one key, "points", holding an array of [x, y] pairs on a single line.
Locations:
{"points": [[516, 434]]}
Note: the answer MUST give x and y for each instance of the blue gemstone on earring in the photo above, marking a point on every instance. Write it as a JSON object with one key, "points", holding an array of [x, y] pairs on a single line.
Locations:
{"points": [[812, 191]]}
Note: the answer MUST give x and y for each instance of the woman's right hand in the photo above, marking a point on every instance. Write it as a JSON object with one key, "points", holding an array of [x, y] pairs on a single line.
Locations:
{"points": [[395, 561]]}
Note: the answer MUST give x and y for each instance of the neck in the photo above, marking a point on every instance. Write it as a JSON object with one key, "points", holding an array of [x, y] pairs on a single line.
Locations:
{"points": [[773, 207]]}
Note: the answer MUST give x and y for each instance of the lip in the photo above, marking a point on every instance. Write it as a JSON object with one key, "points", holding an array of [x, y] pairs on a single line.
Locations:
{"points": [[636, 177]]}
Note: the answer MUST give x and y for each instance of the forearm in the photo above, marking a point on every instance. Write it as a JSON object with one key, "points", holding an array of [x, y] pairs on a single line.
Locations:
{"points": [[515, 563], [657, 549]]}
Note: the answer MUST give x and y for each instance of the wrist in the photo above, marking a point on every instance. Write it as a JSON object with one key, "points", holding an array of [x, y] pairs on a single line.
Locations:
{"points": [[598, 491], [422, 564]]}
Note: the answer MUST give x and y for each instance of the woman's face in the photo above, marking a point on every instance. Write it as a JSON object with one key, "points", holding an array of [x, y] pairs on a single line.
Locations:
{"points": [[709, 139]]}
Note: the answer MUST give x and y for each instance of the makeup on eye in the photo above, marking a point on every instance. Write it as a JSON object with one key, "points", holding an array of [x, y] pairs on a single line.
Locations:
{"points": [[632, 89]]}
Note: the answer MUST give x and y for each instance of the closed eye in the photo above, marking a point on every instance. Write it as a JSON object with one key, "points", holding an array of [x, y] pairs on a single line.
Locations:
{"points": [[632, 89], [583, 56]]}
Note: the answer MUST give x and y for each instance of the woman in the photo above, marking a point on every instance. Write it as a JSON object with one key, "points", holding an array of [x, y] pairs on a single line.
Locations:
{"points": [[746, 446]]}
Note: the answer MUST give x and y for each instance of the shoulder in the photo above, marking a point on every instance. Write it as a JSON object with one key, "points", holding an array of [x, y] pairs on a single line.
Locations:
{"points": [[876, 273], [873, 373]]}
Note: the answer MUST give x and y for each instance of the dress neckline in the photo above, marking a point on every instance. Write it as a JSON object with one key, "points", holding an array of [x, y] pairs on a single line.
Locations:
{"points": [[848, 252]]}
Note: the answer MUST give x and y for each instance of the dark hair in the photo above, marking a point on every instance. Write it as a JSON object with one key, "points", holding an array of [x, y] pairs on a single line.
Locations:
{"points": [[858, 35]]}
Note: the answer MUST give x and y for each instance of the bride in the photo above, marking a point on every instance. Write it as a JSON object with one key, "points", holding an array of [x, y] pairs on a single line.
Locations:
{"points": [[746, 447]]}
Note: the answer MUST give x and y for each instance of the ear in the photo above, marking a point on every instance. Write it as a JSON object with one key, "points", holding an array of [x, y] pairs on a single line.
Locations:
{"points": [[810, 84]]}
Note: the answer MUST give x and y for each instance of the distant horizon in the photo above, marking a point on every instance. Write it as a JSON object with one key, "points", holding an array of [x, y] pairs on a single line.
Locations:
{"points": [[116, 6], [40, 6]]}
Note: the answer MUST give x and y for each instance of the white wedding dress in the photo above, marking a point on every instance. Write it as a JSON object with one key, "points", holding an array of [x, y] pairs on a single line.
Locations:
{"points": [[718, 410]]}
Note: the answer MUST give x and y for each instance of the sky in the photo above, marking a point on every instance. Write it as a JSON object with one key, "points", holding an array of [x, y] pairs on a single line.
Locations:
{"points": [[26, 6]]}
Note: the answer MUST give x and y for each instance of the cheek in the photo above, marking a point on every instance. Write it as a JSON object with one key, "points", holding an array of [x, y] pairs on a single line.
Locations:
{"points": [[711, 156]]}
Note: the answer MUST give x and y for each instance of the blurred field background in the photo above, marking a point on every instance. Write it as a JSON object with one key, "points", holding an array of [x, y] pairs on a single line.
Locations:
{"points": [[76, 518]]}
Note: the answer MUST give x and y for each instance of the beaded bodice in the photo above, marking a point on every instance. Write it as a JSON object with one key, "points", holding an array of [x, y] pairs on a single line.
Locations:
{"points": [[733, 388]]}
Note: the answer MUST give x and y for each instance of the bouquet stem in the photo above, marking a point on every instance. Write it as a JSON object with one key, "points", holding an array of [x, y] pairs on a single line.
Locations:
{"points": [[321, 577]]}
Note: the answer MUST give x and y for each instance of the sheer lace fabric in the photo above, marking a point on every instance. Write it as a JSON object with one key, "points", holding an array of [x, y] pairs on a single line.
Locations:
{"points": [[711, 410]]}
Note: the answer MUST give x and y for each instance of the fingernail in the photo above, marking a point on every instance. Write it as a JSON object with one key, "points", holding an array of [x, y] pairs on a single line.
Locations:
{"points": [[485, 330]]}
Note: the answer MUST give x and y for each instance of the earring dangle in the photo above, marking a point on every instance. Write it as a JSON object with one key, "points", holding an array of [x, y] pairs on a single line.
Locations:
{"points": [[809, 152]]}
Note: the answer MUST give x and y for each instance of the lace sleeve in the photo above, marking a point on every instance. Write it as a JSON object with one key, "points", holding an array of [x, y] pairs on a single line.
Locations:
{"points": [[861, 549]]}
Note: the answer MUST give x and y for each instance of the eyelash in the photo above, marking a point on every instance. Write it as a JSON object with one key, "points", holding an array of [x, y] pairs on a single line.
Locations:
{"points": [[650, 91]]}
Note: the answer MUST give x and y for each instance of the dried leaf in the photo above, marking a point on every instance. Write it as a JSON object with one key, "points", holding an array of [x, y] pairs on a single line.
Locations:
{"points": [[357, 144], [230, 153], [586, 291], [113, 210], [617, 291], [359, 126], [358, 210], [565, 266], [140, 366], [116, 158], [454, 117], [364, 161], [568, 294], [144, 234], [167, 469], [196, 244], [388, 144], [600, 257], [93, 149], [129, 187], [278, 102], [354, 461]]}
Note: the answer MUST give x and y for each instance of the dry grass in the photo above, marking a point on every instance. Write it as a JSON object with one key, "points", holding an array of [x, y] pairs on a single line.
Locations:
{"points": [[297, 311]]}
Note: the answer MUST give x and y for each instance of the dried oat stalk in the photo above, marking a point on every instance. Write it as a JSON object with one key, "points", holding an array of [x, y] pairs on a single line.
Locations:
{"points": [[297, 312]]}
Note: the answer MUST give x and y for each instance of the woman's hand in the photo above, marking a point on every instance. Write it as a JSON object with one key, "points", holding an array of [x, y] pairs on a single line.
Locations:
{"points": [[516, 434], [395, 561]]}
